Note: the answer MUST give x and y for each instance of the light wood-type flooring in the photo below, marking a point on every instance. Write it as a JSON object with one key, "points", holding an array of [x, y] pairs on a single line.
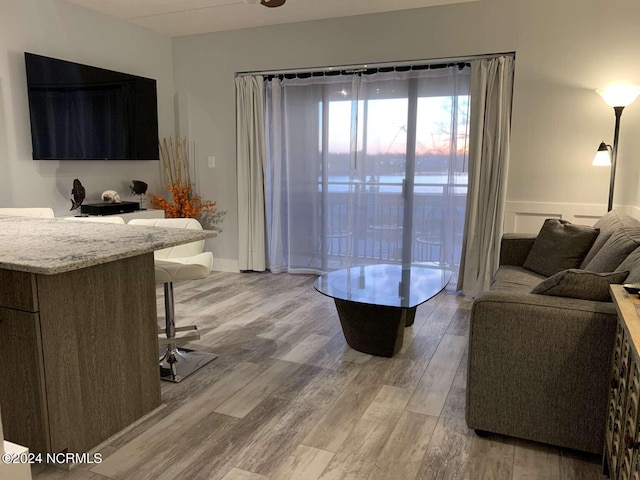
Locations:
{"points": [[288, 399]]}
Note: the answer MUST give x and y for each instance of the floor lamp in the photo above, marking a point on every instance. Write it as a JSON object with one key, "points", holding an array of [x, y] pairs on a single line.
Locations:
{"points": [[618, 97]]}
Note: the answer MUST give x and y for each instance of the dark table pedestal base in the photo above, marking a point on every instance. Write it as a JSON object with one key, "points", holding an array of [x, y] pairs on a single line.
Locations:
{"points": [[374, 329]]}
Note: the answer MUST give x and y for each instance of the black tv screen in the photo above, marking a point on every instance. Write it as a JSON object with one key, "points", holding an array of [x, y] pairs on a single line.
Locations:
{"points": [[80, 112]]}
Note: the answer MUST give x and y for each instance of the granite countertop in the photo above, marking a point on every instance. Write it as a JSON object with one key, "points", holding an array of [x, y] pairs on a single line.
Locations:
{"points": [[50, 246]]}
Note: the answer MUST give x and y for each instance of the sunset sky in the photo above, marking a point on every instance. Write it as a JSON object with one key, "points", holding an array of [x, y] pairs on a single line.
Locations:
{"points": [[386, 125]]}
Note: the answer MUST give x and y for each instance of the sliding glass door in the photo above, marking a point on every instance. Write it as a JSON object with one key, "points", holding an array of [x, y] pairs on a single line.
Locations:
{"points": [[366, 168]]}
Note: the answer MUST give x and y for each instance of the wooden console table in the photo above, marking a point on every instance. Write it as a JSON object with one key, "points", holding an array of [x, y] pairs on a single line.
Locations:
{"points": [[78, 329], [622, 436]]}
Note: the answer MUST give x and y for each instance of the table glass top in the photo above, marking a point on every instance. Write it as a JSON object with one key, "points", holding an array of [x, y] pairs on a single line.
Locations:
{"points": [[385, 284]]}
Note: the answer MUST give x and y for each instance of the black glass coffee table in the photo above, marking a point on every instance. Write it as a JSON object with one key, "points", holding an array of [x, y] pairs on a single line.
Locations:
{"points": [[376, 302]]}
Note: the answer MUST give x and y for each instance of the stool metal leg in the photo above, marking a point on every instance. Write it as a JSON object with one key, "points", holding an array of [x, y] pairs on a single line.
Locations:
{"points": [[178, 363]]}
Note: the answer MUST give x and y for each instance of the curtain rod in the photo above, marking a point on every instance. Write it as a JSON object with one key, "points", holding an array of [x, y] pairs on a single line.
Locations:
{"points": [[368, 70], [363, 67]]}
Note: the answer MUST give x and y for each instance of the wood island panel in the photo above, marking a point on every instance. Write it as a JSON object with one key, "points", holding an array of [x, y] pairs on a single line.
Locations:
{"points": [[22, 392], [100, 350], [84, 364], [78, 329], [18, 290]]}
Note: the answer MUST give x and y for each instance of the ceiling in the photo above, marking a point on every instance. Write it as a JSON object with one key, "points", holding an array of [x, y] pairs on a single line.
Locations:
{"points": [[188, 17]]}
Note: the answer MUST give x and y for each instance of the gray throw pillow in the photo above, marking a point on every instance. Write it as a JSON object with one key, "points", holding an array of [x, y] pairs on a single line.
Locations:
{"points": [[574, 283], [559, 245]]}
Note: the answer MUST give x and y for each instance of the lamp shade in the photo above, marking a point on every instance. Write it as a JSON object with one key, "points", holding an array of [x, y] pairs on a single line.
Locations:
{"points": [[602, 158], [619, 95]]}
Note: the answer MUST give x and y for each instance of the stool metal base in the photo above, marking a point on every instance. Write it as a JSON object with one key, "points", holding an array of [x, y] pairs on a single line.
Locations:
{"points": [[182, 363]]}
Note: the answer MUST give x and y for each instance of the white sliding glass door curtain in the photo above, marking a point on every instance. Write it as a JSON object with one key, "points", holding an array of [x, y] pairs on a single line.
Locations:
{"points": [[250, 154], [491, 95], [366, 168]]}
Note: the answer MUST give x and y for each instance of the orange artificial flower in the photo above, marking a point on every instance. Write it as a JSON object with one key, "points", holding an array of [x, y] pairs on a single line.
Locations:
{"points": [[184, 205]]}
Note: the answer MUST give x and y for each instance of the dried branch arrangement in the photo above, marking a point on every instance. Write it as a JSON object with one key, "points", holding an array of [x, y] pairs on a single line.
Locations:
{"points": [[175, 160], [185, 202]]}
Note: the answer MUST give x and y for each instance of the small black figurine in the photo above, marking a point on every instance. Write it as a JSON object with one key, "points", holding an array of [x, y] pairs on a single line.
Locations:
{"points": [[138, 187], [78, 195]]}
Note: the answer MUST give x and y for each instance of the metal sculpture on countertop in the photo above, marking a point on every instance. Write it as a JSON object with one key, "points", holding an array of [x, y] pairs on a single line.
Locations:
{"points": [[138, 187], [78, 194]]}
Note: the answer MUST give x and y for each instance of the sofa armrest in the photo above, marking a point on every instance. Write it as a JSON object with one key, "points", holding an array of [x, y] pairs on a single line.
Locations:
{"points": [[553, 306], [515, 247], [539, 368]]}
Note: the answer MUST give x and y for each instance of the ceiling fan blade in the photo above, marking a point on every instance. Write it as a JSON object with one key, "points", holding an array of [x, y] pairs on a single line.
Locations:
{"points": [[272, 3]]}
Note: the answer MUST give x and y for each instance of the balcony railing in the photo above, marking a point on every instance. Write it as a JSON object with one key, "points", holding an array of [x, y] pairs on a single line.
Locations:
{"points": [[364, 221]]}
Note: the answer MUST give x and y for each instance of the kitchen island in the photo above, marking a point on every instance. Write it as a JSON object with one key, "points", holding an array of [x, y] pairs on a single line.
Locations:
{"points": [[78, 329]]}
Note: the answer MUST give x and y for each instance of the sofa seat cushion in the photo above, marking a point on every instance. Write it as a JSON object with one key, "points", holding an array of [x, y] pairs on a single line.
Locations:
{"points": [[559, 246], [619, 245], [581, 284], [510, 278]]}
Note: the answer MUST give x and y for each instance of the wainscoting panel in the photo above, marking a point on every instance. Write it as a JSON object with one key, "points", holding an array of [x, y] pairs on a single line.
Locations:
{"points": [[531, 222], [528, 217]]}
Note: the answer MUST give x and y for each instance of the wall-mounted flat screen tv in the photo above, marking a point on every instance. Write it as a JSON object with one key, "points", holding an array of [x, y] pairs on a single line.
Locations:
{"points": [[80, 112]]}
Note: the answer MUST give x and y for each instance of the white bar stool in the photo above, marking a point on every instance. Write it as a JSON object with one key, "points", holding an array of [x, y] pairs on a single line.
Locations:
{"points": [[39, 212], [98, 219], [182, 262]]}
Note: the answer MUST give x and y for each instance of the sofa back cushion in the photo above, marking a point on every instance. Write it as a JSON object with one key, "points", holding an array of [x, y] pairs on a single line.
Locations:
{"points": [[619, 245], [559, 246], [632, 265], [607, 224]]}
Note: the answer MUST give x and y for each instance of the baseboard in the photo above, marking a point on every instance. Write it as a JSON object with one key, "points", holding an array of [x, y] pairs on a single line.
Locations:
{"points": [[632, 212], [225, 265]]}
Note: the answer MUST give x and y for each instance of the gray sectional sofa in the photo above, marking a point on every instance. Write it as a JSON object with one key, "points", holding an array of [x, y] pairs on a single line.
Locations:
{"points": [[539, 362]]}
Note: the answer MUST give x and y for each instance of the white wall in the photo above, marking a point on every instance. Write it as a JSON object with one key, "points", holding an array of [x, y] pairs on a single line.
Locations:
{"points": [[564, 51], [58, 29]]}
